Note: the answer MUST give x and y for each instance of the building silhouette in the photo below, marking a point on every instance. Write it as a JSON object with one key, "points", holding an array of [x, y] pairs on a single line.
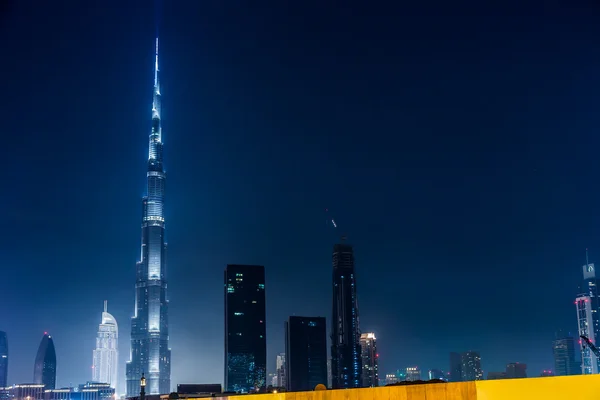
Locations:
{"points": [[305, 353], [44, 370], [516, 370], [471, 366], [245, 329], [563, 349], [150, 352], [496, 375], [369, 359], [106, 354], [455, 367], [3, 359], [346, 363]]}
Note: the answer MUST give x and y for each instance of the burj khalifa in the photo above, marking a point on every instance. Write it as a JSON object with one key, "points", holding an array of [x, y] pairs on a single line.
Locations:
{"points": [[150, 353]]}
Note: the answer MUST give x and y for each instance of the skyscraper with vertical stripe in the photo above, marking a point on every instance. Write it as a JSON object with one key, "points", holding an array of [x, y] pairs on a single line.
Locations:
{"points": [[346, 362], [150, 353]]}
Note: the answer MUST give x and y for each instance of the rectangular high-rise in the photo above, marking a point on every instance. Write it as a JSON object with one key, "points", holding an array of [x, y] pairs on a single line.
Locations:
{"points": [[516, 370], [305, 353], [245, 329], [471, 366], [346, 363], [280, 370], [563, 349], [455, 367], [585, 323], [369, 356]]}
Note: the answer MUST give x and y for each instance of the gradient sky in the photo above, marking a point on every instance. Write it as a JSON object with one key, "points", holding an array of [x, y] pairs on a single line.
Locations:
{"points": [[455, 144]]}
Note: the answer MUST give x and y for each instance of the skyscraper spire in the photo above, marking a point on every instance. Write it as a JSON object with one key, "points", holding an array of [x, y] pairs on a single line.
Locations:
{"points": [[150, 353]]}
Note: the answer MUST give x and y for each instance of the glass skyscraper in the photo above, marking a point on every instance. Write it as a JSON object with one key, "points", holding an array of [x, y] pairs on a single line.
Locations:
{"points": [[3, 359], [346, 365], [150, 353], [563, 349], [106, 354], [368, 348], [44, 370], [245, 329], [306, 353]]}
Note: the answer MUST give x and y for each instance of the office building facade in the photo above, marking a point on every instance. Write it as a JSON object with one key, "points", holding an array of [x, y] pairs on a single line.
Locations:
{"points": [[455, 367], [413, 374], [305, 353], [346, 363], [245, 329], [516, 370], [280, 370], [369, 357], [563, 349], [150, 353], [471, 366], [44, 371]]}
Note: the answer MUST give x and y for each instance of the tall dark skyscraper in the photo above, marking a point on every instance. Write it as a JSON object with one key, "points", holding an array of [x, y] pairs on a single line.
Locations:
{"points": [[150, 353], [245, 329], [44, 370], [564, 355], [346, 365], [3, 359], [306, 353]]}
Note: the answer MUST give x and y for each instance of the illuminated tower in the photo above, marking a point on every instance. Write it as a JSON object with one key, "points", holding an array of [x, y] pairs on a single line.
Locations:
{"points": [[44, 370], [368, 349], [150, 353], [589, 361], [106, 354], [591, 317], [346, 363]]}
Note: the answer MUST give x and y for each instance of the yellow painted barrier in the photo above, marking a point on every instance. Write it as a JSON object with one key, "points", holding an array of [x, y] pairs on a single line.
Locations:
{"points": [[549, 388], [554, 388]]}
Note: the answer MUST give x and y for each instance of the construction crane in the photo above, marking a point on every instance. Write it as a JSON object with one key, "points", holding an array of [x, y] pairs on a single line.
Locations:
{"points": [[591, 346]]}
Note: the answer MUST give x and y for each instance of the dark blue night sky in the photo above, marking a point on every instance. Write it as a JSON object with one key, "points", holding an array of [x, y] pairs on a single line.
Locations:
{"points": [[455, 143]]}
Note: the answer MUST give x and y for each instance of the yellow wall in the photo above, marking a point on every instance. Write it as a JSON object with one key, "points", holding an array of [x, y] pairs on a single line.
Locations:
{"points": [[555, 388]]}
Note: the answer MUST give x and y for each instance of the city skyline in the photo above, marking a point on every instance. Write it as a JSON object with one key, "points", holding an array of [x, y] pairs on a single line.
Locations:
{"points": [[223, 143]]}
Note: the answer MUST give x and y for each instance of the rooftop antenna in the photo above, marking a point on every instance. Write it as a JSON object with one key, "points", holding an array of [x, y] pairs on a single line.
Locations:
{"points": [[105, 305], [587, 261]]}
